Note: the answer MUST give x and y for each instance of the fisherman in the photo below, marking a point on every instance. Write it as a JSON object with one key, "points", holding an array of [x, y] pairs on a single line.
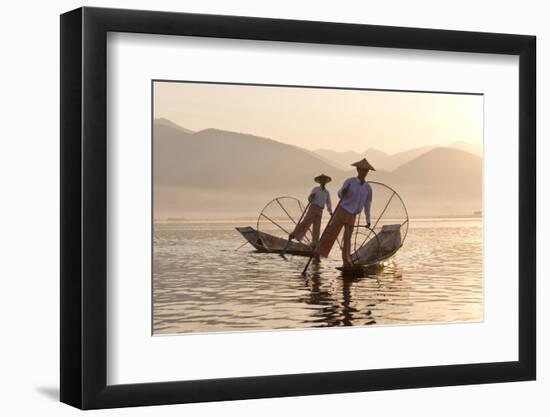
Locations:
{"points": [[355, 195], [318, 199]]}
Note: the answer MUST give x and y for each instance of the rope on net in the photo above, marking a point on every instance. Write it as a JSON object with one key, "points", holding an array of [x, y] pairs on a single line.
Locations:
{"points": [[378, 219], [275, 223], [307, 236], [290, 217]]}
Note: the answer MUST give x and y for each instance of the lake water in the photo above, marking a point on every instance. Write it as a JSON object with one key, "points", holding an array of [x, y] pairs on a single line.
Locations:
{"points": [[202, 284]]}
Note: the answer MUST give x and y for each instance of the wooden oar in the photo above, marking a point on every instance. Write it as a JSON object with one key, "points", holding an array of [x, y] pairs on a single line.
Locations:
{"points": [[344, 192], [241, 245]]}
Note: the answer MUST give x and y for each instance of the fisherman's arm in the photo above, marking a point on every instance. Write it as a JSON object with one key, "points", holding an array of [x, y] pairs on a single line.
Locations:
{"points": [[368, 204], [343, 191], [329, 204]]}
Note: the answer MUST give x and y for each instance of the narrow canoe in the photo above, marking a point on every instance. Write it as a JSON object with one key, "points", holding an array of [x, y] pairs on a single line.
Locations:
{"points": [[266, 243]]}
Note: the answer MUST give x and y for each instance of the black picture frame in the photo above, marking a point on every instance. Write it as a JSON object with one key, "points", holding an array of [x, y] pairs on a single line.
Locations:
{"points": [[84, 207]]}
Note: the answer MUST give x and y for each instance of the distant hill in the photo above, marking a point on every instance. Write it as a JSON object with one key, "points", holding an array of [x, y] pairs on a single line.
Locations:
{"points": [[451, 165], [216, 173], [441, 179], [218, 159], [340, 160], [165, 122], [392, 162], [476, 149], [382, 160], [379, 159]]}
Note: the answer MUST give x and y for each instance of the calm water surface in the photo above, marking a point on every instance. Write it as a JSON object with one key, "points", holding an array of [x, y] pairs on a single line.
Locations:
{"points": [[202, 284]]}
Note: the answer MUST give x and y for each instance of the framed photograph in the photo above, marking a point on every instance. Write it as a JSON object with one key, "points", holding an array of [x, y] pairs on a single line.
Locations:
{"points": [[258, 208]]}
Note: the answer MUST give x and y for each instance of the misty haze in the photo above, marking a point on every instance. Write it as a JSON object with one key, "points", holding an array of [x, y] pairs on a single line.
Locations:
{"points": [[219, 174]]}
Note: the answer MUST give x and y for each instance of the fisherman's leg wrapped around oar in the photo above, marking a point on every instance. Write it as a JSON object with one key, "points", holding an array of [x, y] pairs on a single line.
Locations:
{"points": [[340, 218], [346, 244], [316, 231], [312, 217]]}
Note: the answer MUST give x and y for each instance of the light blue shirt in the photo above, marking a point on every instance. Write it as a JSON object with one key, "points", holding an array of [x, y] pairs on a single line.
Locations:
{"points": [[320, 197], [358, 197]]}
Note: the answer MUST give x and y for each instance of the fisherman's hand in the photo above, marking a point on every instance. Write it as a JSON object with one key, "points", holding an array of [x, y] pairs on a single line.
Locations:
{"points": [[330, 212], [368, 225]]}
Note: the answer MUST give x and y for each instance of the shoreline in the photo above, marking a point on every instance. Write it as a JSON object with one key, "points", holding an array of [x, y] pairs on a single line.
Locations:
{"points": [[254, 219]]}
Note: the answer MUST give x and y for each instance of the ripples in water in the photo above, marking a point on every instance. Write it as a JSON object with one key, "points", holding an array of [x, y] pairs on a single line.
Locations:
{"points": [[202, 284]]}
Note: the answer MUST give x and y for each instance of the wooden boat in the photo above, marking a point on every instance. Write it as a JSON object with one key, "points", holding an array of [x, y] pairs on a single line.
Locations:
{"points": [[382, 246], [266, 243], [371, 256]]}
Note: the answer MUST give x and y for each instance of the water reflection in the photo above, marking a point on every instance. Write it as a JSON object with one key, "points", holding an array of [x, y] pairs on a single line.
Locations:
{"points": [[201, 284], [334, 311]]}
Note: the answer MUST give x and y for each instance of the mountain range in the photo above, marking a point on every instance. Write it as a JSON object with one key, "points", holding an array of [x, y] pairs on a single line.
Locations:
{"points": [[389, 162], [215, 173]]}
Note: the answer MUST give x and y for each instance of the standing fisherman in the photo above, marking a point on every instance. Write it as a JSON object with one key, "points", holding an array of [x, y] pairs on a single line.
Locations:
{"points": [[318, 198], [355, 195]]}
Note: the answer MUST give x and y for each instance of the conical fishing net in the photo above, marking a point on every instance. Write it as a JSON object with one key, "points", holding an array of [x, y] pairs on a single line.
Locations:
{"points": [[388, 230], [277, 220]]}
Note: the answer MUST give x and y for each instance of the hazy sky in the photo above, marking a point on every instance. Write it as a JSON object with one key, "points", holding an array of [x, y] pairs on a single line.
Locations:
{"points": [[316, 118]]}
